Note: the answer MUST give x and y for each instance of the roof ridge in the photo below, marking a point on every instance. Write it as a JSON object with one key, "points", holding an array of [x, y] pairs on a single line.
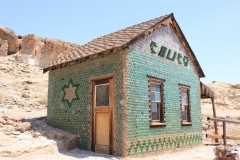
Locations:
{"points": [[165, 16]]}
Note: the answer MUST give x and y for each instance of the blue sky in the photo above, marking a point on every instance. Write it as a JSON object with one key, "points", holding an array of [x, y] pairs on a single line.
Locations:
{"points": [[212, 28]]}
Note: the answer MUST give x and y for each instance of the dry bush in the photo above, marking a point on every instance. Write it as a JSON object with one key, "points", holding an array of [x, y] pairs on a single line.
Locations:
{"points": [[26, 87], [236, 86], [237, 107], [207, 114], [43, 99], [2, 97]]}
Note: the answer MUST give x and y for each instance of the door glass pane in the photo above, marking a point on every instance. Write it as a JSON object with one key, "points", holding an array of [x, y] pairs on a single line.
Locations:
{"points": [[155, 111], [102, 95]]}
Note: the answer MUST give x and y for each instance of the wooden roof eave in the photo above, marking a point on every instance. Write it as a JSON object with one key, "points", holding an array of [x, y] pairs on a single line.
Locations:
{"points": [[79, 60], [206, 92]]}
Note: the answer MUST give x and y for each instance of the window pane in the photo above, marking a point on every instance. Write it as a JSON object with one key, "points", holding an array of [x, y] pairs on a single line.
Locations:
{"points": [[157, 87], [184, 112], [155, 111], [152, 87], [157, 97], [102, 95], [184, 96], [184, 115], [153, 96]]}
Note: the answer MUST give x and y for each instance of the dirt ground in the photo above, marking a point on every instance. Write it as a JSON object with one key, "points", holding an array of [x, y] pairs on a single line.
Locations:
{"points": [[192, 153]]}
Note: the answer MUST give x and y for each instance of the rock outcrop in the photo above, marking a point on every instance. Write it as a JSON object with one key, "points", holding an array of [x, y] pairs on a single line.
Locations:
{"points": [[34, 50], [226, 95], [41, 51], [3, 47], [11, 37], [226, 153]]}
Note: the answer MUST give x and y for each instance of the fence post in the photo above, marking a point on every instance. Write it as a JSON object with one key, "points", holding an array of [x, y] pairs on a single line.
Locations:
{"points": [[215, 122], [224, 133]]}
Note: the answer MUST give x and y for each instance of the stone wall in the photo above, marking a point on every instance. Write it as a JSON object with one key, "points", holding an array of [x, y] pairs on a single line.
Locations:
{"points": [[76, 117], [141, 137], [3, 47]]}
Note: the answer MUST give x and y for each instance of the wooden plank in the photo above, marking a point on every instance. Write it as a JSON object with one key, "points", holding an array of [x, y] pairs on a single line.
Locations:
{"points": [[111, 117], [221, 136], [102, 149], [102, 128], [102, 109], [233, 137], [213, 136]]}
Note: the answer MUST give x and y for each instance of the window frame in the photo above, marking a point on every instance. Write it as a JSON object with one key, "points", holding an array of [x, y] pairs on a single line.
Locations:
{"points": [[188, 121], [161, 122]]}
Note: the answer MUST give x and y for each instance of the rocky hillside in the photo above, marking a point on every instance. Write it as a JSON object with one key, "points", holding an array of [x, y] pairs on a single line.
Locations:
{"points": [[23, 87], [227, 98], [227, 104], [23, 99]]}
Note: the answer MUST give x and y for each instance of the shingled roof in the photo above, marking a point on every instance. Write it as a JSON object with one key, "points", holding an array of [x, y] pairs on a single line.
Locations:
{"points": [[121, 39]]}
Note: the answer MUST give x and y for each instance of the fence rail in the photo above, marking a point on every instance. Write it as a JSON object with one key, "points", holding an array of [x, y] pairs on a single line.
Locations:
{"points": [[224, 136]]}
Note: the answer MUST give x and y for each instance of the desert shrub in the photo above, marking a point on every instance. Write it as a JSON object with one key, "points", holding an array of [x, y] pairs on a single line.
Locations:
{"points": [[2, 97], [207, 114], [237, 107], [43, 99], [26, 87], [236, 86]]}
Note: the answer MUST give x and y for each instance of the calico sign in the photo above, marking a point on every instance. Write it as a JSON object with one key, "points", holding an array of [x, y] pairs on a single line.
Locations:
{"points": [[167, 54]]}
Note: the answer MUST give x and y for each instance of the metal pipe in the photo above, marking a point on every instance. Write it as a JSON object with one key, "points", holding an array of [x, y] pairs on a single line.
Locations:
{"points": [[223, 120], [224, 134]]}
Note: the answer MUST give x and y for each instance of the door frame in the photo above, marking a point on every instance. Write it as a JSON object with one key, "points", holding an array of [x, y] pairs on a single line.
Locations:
{"points": [[111, 117]]}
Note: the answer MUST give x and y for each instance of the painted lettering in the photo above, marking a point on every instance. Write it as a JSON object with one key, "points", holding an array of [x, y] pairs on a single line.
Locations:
{"points": [[174, 56], [179, 57], [169, 53], [185, 61], [162, 51], [153, 45]]}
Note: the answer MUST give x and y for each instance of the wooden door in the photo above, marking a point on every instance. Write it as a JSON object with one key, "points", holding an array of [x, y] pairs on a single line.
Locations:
{"points": [[102, 115]]}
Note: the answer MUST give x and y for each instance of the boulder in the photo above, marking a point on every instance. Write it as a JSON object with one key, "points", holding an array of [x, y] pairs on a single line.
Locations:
{"points": [[9, 122], [11, 37], [2, 121], [36, 134], [226, 153], [26, 125], [51, 135], [21, 129], [7, 132], [71, 143], [42, 51]]}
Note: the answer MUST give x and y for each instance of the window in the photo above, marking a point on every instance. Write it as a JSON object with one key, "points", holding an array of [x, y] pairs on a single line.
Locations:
{"points": [[184, 105], [156, 102]]}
